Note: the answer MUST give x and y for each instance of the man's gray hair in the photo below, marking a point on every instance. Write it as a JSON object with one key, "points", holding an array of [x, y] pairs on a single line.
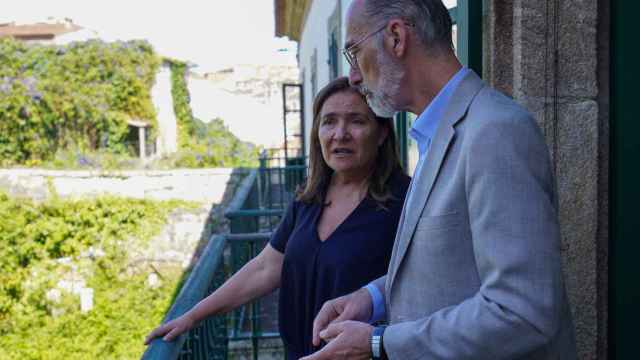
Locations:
{"points": [[430, 18]]}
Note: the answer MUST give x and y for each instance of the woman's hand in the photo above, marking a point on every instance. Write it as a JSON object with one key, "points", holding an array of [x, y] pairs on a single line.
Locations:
{"points": [[172, 329], [257, 278]]}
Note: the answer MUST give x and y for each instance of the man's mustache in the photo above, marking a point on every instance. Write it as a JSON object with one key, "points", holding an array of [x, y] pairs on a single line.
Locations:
{"points": [[364, 91]]}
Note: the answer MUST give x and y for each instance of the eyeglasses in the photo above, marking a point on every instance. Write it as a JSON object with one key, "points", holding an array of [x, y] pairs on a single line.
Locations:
{"points": [[350, 52]]}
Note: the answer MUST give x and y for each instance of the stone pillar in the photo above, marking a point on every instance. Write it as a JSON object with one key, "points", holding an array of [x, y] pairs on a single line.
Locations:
{"points": [[142, 142], [545, 55]]}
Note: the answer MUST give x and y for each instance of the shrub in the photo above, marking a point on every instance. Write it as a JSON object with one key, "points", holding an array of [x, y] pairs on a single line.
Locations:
{"points": [[82, 94], [33, 239]]}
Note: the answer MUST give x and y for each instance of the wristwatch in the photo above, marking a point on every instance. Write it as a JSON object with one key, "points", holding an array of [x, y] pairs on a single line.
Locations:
{"points": [[377, 346]]}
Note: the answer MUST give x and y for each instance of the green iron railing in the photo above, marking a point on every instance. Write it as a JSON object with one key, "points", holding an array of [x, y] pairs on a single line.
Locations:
{"points": [[279, 178], [253, 213], [209, 339]]}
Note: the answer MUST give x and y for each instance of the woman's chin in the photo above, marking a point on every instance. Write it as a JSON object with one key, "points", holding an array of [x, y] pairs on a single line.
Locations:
{"points": [[341, 168]]}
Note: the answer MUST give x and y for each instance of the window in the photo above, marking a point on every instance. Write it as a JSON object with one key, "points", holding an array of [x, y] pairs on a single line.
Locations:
{"points": [[314, 73], [334, 36]]}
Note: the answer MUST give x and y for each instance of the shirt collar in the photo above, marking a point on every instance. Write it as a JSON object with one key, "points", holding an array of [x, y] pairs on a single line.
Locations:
{"points": [[424, 128]]}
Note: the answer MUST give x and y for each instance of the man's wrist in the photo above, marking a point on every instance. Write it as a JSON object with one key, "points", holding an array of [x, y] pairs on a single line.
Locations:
{"points": [[377, 344], [377, 303]]}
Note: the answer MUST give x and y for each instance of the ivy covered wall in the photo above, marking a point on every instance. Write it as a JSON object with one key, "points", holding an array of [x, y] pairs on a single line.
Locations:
{"points": [[79, 95], [181, 100]]}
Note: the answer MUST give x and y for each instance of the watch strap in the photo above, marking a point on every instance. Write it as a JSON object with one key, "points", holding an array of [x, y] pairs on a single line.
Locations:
{"points": [[377, 347]]}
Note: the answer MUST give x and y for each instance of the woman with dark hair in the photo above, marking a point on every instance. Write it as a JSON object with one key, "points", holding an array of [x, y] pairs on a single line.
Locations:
{"points": [[336, 236]]}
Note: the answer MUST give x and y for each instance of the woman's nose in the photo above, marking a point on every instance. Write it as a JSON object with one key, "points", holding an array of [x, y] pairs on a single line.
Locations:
{"points": [[341, 132]]}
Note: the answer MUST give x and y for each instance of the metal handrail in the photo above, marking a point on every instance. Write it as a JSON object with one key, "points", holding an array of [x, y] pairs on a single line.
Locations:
{"points": [[194, 290], [251, 213], [243, 193]]}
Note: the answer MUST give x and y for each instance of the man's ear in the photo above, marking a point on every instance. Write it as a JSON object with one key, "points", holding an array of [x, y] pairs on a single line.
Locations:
{"points": [[397, 37]]}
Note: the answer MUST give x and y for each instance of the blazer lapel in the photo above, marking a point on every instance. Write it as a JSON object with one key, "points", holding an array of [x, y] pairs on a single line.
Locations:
{"points": [[423, 182]]}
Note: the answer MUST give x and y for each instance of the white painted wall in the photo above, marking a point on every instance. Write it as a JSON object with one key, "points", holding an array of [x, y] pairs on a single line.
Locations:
{"points": [[315, 35], [248, 118], [167, 141]]}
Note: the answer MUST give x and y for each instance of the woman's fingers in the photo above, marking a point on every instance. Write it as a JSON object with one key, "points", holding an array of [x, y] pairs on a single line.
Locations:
{"points": [[174, 333], [157, 332]]}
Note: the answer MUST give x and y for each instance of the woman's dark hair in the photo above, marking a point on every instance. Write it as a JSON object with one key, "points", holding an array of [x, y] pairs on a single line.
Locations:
{"points": [[387, 161]]}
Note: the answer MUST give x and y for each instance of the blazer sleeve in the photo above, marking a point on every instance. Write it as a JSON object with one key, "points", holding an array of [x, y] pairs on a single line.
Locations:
{"points": [[515, 234]]}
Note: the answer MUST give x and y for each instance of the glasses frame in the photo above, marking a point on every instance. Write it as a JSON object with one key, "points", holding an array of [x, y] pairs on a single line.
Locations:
{"points": [[351, 51]]}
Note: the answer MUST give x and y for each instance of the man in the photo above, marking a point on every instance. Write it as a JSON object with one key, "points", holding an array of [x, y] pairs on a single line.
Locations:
{"points": [[476, 269]]}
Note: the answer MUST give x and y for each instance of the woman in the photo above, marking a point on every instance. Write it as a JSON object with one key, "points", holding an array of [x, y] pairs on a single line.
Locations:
{"points": [[336, 236]]}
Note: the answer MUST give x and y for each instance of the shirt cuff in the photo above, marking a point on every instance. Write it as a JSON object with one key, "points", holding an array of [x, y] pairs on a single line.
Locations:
{"points": [[378, 312]]}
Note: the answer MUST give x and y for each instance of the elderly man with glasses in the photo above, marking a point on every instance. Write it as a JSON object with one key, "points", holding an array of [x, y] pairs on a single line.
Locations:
{"points": [[476, 268]]}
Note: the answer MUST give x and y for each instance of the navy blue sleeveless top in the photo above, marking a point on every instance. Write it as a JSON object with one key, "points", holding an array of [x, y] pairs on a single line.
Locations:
{"points": [[357, 252]]}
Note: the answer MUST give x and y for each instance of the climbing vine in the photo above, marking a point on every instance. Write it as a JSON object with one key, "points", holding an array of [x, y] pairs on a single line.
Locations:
{"points": [[79, 95], [181, 103]]}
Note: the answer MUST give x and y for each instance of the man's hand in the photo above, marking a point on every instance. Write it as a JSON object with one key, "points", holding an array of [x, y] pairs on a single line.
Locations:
{"points": [[355, 306], [346, 340]]}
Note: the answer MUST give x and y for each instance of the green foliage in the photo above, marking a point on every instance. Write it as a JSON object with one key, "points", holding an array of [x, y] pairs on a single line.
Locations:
{"points": [[181, 100], [33, 236], [124, 312], [213, 145], [74, 159], [82, 94]]}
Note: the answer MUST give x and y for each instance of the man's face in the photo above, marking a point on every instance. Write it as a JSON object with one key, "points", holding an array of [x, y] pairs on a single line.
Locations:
{"points": [[376, 73]]}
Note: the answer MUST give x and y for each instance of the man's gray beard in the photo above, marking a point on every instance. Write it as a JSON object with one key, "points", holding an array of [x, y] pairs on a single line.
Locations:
{"points": [[381, 102], [381, 105]]}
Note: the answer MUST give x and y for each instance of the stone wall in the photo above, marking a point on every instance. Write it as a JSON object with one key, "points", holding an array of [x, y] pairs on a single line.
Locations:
{"points": [[200, 185], [547, 55], [184, 233]]}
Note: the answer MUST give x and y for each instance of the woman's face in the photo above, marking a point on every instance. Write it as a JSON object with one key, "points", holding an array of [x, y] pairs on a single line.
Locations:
{"points": [[349, 134]]}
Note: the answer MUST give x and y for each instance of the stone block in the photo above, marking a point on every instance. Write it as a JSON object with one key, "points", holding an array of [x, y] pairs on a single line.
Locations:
{"points": [[577, 49], [577, 173], [498, 45], [555, 49]]}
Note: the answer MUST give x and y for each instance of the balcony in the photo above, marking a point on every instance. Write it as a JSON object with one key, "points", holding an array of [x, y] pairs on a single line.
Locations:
{"points": [[250, 332]]}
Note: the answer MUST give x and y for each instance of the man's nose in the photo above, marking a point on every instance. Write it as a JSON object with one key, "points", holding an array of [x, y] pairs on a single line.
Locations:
{"points": [[355, 78]]}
